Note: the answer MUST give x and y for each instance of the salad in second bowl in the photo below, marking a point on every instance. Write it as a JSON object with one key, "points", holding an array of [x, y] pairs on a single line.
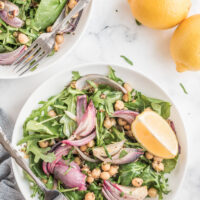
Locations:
{"points": [[22, 22], [100, 143]]}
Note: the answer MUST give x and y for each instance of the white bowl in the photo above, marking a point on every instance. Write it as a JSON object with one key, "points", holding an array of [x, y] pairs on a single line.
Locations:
{"points": [[6, 72], [138, 81]]}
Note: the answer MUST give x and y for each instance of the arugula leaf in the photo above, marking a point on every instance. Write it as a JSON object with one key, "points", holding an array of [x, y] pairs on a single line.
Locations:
{"points": [[107, 153], [112, 76], [76, 75], [123, 153], [127, 60], [184, 90], [40, 153], [138, 23]]}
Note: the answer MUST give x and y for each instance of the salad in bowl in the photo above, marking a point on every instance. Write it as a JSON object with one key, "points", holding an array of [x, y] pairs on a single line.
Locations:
{"points": [[99, 142]]}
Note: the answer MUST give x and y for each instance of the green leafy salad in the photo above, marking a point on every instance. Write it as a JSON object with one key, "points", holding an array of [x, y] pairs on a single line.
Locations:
{"points": [[80, 142]]}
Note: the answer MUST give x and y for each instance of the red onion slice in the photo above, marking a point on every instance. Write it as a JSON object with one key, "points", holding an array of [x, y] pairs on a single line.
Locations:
{"points": [[85, 157], [127, 115], [88, 121], [106, 195], [80, 142], [9, 58], [12, 21], [81, 107]]}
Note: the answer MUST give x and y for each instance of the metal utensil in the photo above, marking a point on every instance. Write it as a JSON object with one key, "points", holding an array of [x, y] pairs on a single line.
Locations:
{"points": [[49, 194], [43, 45], [98, 79]]}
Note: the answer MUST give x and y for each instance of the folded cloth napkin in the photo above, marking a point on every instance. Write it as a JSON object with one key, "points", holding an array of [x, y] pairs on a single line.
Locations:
{"points": [[8, 186]]}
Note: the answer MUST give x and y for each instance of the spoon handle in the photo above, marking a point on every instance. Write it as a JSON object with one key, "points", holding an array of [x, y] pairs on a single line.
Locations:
{"points": [[18, 158]]}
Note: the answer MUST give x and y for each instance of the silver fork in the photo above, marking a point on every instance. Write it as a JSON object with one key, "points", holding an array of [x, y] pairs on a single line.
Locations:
{"points": [[49, 194], [43, 45]]}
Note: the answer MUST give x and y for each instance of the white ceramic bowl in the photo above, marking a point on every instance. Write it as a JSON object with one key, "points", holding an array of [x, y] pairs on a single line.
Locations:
{"points": [[137, 80], [6, 72]]}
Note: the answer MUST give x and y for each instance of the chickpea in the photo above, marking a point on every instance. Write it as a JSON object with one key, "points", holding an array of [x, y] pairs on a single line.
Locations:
{"points": [[157, 159], [113, 170], [59, 39], [130, 134], [158, 166], [103, 96], [108, 123], [105, 175], [137, 182], [52, 113], [90, 179], [127, 127], [127, 87], [121, 122], [72, 4], [91, 144], [49, 29], [43, 144], [56, 47], [83, 148], [44, 181], [2, 5], [125, 97], [77, 160], [148, 156], [152, 192], [86, 169], [73, 84], [90, 196], [105, 166], [119, 105], [96, 173], [22, 38]]}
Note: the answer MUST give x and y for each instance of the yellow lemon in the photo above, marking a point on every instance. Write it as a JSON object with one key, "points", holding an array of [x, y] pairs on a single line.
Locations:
{"points": [[160, 14], [155, 135], [185, 45]]}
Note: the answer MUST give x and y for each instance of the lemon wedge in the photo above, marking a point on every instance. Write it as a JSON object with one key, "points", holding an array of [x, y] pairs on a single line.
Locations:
{"points": [[155, 135]]}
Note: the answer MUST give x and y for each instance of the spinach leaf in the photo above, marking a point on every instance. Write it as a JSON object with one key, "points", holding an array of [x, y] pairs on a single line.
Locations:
{"points": [[47, 13]]}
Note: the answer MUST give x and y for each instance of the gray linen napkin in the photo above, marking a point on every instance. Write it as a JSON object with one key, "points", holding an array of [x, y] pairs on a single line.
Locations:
{"points": [[8, 187]]}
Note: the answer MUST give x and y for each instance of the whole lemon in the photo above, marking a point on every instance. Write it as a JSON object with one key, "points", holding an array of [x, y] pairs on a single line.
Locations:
{"points": [[185, 45], [160, 14]]}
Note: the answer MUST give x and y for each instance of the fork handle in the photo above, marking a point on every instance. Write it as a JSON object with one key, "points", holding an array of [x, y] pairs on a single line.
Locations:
{"points": [[18, 158], [79, 6]]}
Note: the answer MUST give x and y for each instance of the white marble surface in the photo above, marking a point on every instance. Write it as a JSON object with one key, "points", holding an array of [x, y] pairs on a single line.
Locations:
{"points": [[109, 35]]}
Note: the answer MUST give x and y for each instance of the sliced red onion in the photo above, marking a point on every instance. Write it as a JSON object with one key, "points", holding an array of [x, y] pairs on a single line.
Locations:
{"points": [[80, 142], [110, 195], [88, 121], [81, 107], [131, 156], [12, 21], [70, 176], [44, 167], [106, 195], [10, 7], [127, 115], [9, 58], [111, 148], [85, 157]]}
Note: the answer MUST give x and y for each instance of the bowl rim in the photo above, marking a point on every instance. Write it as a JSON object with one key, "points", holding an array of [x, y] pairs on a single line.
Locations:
{"points": [[34, 73], [92, 64]]}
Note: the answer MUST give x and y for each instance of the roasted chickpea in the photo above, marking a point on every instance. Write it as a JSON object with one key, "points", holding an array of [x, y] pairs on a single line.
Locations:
{"points": [[90, 196], [56, 47], [137, 182], [152, 192], [158, 166], [121, 122], [86, 169], [52, 113], [105, 175], [43, 144], [90, 179], [77, 160], [83, 148], [49, 29], [105, 166], [2, 5], [72, 4], [96, 173], [127, 127], [125, 97], [157, 159], [127, 87], [103, 96], [73, 84], [91, 144], [44, 181], [148, 155], [119, 105], [113, 170], [22, 38], [59, 39], [108, 123]]}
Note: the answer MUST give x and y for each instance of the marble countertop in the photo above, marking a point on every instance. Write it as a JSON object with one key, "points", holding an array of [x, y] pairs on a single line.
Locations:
{"points": [[112, 32]]}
